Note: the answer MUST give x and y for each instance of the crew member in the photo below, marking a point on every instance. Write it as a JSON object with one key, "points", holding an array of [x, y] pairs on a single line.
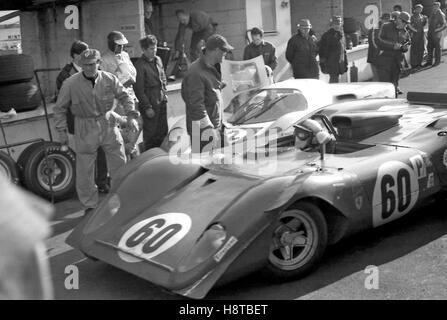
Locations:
{"points": [[201, 91], [150, 89], [260, 47], [90, 95], [393, 40]]}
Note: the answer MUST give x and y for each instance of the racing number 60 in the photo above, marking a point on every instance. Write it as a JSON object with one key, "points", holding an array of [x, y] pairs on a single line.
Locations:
{"points": [[153, 234], [389, 193]]}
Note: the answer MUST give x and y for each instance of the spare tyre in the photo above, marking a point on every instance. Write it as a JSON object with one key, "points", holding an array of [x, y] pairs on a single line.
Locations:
{"points": [[20, 96], [45, 162], [8, 168], [16, 68]]}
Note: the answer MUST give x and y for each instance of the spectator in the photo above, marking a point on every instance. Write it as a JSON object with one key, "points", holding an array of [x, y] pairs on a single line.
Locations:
{"points": [[183, 36], [202, 93], [332, 51], [417, 23], [67, 71], [202, 26], [302, 51], [436, 24], [392, 41], [90, 95], [260, 47], [373, 50], [151, 92]]}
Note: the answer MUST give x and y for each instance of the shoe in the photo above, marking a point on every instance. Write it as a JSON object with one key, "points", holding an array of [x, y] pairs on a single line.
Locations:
{"points": [[425, 65], [103, 188], [436, 64], [399, 91]]}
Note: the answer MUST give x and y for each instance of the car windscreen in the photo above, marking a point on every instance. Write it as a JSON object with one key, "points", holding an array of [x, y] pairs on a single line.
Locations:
{"points": [[268, 105]]}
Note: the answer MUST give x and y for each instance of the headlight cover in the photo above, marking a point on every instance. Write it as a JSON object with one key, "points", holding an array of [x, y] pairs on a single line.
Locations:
{"points": [[104, 213], [207, 245]]}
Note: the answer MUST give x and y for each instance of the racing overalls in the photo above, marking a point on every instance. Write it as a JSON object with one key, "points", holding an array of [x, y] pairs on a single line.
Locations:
{"points": [[90, 100]]}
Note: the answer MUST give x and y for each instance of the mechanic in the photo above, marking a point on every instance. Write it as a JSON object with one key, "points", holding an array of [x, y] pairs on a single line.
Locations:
{"points": [[393, 40], [68, 70], [201, 91], [373, 50], [260, 47], [149, 27], [202, 26], [90, 95], [150, 89], [24, 266], [332, 51], [436, 24], [418, 22], [302, 51], [310, 134], [117, 61]]}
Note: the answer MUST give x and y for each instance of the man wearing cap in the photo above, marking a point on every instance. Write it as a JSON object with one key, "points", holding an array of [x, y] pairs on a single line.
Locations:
{"points": [[90, 95], [393, 41], [436, 24], [373, 50], [260, 47], [150, 89], [417, 23], [332, 51], [302, 51], [201, 91]]}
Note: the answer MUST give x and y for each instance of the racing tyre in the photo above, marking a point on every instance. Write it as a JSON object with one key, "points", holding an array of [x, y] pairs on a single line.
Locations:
{"points": [[298, 242], [16, 68], [37, 171], [8, 168], [20, 96]]}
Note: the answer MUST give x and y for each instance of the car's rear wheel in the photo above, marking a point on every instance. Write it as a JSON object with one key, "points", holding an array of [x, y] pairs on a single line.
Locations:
{"points": [[298, 241]]}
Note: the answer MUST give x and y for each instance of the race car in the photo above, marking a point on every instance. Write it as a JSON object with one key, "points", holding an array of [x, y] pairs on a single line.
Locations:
{"points": [[279, 105], [187, 226]]}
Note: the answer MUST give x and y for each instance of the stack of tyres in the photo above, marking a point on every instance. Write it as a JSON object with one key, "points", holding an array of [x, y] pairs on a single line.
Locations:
{"points": [[16, 87]]}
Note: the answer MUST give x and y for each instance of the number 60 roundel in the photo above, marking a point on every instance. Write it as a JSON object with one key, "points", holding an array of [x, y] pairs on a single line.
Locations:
{"points": [[395, 192], [150, 237]]}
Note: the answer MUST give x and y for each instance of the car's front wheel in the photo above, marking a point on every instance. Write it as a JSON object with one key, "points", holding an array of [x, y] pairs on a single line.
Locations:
{"points": [[298, 241]]}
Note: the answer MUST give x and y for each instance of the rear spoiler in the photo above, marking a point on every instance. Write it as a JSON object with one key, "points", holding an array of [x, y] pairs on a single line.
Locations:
{"points": [[431, 98]]}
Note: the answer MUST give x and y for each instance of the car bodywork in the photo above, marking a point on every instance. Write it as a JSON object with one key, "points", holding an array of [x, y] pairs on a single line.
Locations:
{"points": [[186, 226], [293, 99]]}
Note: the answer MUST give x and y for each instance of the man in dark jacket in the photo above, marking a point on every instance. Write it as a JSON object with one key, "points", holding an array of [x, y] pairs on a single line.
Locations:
{"points": [[302, 51], [436, 24], [201, 91], [202, 26], [332, 51], [393, 40], [373, 50], [260, 47], [150, 89]]}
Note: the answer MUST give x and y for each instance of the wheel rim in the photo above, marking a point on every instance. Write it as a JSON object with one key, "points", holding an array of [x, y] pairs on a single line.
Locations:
{"points": [[4, 171], [294, 240], [55, 168]]}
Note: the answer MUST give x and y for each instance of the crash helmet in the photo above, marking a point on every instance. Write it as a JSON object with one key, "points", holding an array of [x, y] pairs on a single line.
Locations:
{"points": [[115, 38], [405, 17], [303, 137]]}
